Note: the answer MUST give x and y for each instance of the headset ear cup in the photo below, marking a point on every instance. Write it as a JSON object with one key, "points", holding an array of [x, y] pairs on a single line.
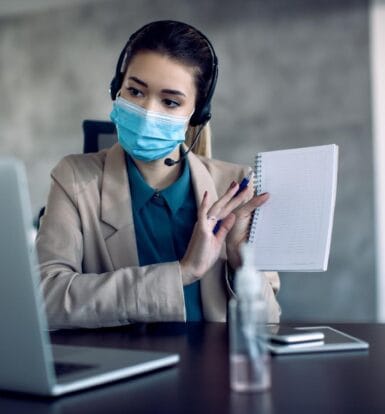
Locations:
{"points": [[201, 116], [194, 120]]}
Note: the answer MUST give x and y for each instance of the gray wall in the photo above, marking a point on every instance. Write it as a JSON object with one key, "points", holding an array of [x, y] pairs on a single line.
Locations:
{"points": [[291, 74]]}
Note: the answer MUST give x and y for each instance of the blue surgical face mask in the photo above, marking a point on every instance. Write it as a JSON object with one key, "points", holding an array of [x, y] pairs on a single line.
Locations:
{"points": [[147, 135]]}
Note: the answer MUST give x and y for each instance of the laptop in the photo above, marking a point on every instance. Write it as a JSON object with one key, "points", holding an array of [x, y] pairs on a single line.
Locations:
{"points": [[28, 361]]}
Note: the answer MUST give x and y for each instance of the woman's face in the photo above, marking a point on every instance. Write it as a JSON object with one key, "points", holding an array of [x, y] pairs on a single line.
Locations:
{"points": [[159, 83]]}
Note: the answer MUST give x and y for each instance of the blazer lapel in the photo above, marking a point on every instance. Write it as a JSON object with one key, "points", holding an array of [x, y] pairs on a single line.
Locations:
{"points": [[201, 180], [116, 210]]}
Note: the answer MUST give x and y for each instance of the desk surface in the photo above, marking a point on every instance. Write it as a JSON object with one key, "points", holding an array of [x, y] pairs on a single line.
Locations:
{"points": [[350, 382]]}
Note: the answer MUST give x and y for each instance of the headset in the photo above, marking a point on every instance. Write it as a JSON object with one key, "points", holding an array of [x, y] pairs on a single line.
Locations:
{"points": [[202, 113]]}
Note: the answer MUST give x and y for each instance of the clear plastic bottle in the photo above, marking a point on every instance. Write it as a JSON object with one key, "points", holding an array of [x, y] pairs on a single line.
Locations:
{"points": [[249, 357]]}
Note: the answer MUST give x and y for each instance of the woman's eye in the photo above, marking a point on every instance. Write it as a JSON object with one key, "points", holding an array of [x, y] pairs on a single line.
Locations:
{"points": [[170, 103], [134, 92]]}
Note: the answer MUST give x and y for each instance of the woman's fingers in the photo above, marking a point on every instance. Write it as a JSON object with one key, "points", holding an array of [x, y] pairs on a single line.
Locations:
{"points": [[226, 226], [203, 208], [228, 202], [204, 216], [252, 204], [217, 207], [234, 203], [205, 246]]}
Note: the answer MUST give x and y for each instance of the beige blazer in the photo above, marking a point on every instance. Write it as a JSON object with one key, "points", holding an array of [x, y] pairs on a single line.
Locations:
{"points": [[87, 249]]}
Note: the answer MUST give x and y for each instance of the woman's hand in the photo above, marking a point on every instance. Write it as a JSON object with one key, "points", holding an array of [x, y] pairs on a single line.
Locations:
{"points": [[205, 246], [240, 229]]}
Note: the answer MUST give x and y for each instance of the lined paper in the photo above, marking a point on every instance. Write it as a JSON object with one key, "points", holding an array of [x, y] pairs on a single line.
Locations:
{"points": [[292, 230]]}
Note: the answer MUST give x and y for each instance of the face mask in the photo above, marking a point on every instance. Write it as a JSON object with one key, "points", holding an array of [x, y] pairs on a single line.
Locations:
{"points": [[147, 135]]}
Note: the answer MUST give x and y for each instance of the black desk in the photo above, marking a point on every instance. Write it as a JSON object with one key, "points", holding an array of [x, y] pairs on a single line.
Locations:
{"points": [[325, 383]]}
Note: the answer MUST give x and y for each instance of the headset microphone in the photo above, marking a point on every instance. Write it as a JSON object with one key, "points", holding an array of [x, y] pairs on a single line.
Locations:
{"points": [[170, 162]]}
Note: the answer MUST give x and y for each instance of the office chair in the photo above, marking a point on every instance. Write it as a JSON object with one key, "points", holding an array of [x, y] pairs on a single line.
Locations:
{"points": [[97, 135]]}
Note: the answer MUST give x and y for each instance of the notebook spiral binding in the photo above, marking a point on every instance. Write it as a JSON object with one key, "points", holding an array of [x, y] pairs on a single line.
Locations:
{"points": [[258, 190]]}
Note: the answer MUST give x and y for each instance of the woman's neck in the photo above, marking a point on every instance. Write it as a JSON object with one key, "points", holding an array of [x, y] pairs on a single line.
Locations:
{"points": [[159, 175]]}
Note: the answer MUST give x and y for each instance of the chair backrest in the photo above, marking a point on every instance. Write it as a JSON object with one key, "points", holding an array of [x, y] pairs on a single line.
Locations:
{"points": [[98, 135]]}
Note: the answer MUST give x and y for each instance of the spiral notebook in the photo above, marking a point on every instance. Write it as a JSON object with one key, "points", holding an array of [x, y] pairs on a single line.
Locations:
{"points": [[292, 230]]}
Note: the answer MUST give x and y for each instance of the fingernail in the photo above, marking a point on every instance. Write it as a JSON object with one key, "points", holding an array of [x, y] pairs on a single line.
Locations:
{"points": [[233, 184], [205, 194]]}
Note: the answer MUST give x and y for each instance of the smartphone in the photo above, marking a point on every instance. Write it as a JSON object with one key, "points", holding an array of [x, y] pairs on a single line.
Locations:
{"points": [[289, 335], [334, 341]]}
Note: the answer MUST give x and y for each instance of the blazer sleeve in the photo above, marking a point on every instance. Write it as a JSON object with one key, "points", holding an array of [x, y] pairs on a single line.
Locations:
{"points": [[77, 299]]}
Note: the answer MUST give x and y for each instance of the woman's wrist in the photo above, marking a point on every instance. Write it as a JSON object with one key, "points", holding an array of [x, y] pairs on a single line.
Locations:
{"points": [[187, 273], [233, 258]]}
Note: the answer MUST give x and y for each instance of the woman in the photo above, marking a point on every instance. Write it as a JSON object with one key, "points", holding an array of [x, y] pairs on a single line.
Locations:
{"points": [[130, 233]]}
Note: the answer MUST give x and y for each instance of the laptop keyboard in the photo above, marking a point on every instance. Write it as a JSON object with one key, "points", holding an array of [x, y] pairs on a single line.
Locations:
{"points": [[65, 368]]}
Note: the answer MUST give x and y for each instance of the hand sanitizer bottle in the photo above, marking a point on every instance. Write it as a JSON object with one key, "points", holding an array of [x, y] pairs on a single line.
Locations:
{"points": [[249, 358]]}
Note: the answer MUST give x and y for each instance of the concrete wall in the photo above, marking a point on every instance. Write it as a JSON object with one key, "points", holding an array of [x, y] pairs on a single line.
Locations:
{"points": [[292, 74]]}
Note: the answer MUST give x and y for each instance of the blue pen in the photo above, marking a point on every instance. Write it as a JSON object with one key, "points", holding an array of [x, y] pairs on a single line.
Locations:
{"points": [[244, 183]]}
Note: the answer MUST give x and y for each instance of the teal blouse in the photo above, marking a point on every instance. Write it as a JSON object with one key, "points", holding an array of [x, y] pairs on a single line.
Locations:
{"points": [[164, 221]]}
